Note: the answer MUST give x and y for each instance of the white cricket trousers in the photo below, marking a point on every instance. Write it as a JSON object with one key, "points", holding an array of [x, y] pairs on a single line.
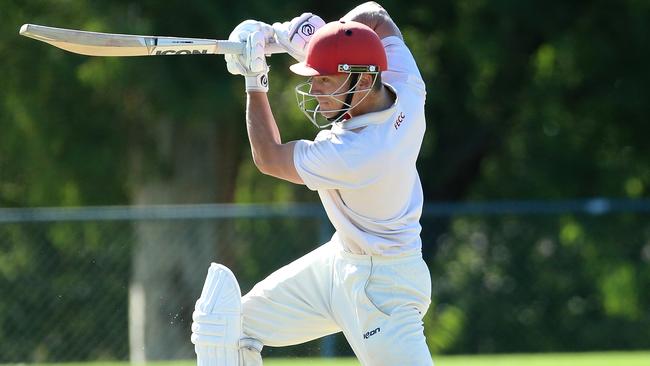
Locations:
{"points": [[377, 302]]}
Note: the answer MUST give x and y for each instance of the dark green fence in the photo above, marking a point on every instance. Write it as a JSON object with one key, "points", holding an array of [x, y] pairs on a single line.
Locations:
{"points": [[120, 282]]}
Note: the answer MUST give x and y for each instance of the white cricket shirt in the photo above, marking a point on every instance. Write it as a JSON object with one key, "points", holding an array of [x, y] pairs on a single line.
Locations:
{"points": [[367, 180]]}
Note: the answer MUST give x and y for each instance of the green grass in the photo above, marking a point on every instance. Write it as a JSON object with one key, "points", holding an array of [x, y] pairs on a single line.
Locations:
{"points": [[551, 359], [542, 359]]}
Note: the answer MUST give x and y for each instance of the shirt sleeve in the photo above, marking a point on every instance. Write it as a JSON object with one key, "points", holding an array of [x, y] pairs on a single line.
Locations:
{"points": [[402, 67], [328, 164]]}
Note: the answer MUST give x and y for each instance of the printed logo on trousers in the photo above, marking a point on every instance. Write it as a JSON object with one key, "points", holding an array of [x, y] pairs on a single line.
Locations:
{"points": [[371, 333]]}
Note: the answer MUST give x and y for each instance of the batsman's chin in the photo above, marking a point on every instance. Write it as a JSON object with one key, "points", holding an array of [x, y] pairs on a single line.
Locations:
{"points": [[328, 114], [327, 109]]}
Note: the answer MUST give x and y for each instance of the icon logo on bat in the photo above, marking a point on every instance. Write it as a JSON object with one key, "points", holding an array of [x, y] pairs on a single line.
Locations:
{"points": [[182, 52]]}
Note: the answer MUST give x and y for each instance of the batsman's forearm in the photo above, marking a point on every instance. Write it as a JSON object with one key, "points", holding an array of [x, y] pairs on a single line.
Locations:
{"points": [[263, 132]]}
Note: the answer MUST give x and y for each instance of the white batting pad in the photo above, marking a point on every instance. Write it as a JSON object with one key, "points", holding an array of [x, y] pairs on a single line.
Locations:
{"points": [[217, 317]]}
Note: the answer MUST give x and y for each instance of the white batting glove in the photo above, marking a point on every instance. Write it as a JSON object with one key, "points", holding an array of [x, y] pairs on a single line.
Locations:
{"points": [[252, 63], [294, 35]]}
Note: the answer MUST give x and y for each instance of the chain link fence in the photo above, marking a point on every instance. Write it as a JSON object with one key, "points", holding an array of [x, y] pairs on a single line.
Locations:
{"points": [[119, 283]]}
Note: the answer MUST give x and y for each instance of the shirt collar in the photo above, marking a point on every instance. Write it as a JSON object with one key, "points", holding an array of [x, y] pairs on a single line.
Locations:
{"points": [[372, 118]]}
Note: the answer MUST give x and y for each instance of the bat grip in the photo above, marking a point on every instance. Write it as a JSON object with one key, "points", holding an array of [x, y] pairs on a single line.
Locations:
{"points": [[230, 47]]}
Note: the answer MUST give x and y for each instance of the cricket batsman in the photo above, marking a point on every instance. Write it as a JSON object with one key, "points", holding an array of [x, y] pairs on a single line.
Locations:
{"points": [[369, 281]]}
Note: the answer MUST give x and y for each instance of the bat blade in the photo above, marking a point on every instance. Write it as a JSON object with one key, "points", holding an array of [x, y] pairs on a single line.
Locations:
{"points": [[110, 44]]}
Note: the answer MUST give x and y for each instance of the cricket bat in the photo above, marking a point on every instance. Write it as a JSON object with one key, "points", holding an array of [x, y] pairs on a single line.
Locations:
{"points": [[108, 44]]}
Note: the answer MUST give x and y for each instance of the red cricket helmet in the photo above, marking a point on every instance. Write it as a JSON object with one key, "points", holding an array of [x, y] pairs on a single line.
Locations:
{"points": [[342, 43]]}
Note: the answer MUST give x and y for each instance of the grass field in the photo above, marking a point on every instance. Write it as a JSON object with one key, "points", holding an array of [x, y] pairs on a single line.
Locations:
{"points": [[547, 359]]}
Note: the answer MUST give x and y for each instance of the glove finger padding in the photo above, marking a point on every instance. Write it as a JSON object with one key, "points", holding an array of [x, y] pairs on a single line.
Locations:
{"points": [[241, 31], [255, 58], [239, 64], [295, 34], [257, 70], [234, 65]]}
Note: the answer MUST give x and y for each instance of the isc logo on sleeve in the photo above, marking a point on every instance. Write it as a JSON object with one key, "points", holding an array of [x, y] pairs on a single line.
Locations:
{"points": [[399, 120]]}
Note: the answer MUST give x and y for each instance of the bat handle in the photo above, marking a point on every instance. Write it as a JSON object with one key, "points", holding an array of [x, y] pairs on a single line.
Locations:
{"points": [[272, 48], [230, 47]]}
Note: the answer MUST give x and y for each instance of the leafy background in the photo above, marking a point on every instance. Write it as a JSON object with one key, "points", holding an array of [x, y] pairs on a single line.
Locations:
{"points": [[526, 100]]}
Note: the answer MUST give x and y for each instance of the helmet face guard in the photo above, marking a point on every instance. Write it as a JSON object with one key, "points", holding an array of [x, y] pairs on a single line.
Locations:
{"points": [[309, 105]]}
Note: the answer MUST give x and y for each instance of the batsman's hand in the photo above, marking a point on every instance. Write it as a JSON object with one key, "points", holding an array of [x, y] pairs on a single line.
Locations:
{"points": [[295, 34], [252, 63]]}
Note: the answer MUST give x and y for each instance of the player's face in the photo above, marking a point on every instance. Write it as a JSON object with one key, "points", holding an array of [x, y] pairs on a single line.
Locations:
{"points": [[323, 86]]}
